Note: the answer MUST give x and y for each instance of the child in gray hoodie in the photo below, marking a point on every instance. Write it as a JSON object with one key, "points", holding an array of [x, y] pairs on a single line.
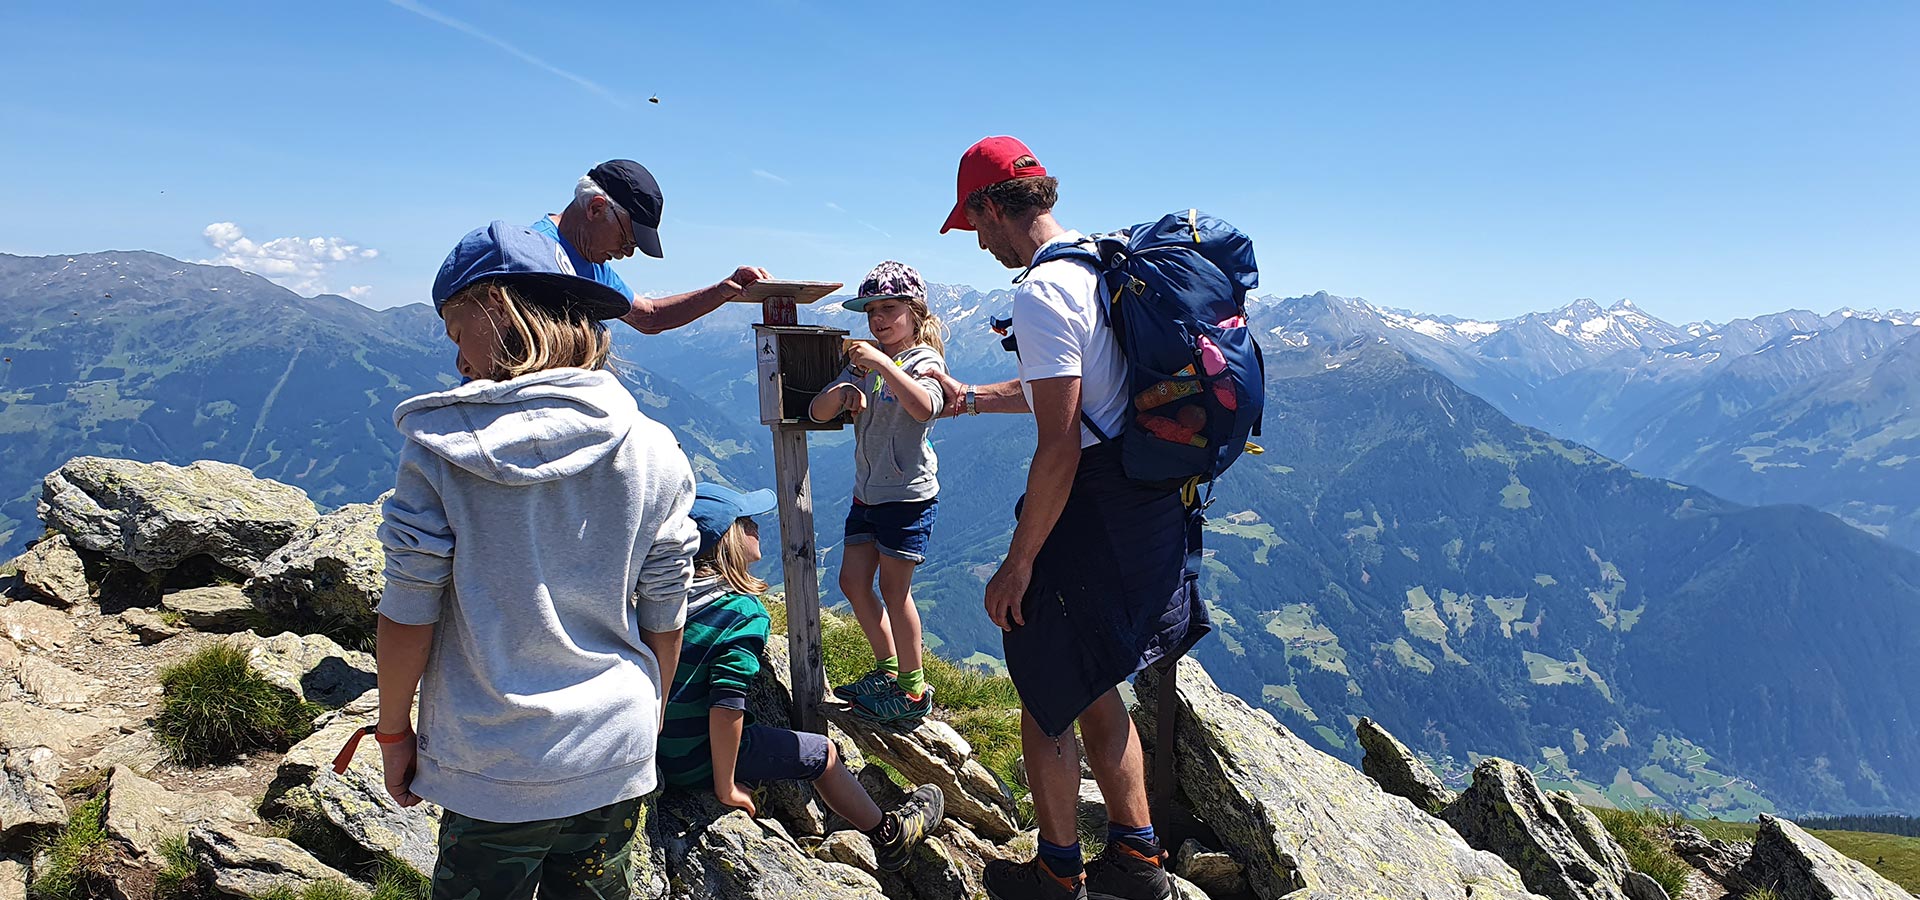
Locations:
{"points": [[538, 554], [890, 389]]}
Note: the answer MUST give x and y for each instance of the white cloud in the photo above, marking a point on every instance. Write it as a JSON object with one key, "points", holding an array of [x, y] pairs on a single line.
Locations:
{"points": [[359, 291], [769, 176], [835, 206], [298, 263], [434, 15]]}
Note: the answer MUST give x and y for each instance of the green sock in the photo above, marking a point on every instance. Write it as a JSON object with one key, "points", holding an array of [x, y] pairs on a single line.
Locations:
{"points": [[891, 666], [914, 682]]}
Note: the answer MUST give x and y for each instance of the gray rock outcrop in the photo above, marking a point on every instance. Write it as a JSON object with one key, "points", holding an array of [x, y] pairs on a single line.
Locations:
{"points": [[933, 753], [53, 573], [1300, 820], [1211, 870], [34, 625], [216, 608], [1797, 866], [713, 853], [1505, 812], [155, 516], [330, 572], [27, 797], [243, 865], [140, 813], [311, 666], [1592, 836], [1394, 767]]}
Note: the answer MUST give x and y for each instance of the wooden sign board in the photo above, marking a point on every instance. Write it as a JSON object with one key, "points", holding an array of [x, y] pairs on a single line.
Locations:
{"points": [[801, 292], [792, 364]]}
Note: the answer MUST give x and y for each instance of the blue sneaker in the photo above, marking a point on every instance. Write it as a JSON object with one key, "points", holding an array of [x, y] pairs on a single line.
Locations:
{"points": [[894, 707], [874, 682]]}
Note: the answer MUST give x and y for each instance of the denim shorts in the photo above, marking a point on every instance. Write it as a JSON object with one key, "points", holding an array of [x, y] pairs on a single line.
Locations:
{"points": [[776, 754], [901, 529]]}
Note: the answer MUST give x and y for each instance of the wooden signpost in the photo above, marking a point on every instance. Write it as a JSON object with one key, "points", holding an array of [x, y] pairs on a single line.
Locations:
{"points": [[794, 362]]}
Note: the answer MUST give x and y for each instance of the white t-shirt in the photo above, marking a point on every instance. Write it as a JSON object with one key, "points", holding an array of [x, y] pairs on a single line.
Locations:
{"points": [[1060, 334]]}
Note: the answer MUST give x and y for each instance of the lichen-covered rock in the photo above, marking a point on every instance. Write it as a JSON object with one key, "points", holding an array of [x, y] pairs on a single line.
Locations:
{"points": [[1798, 866], [243, 865], [330, 572], [13, 879], [1593, 837], [139, 752], [141, 813], [849, 848], [53, 572], [47, 683], [27, 797], [156, 516], [356, 804], [217, 608], [32, 625], [1394, 767], [148, 625], [26, 725], [933, 753], [1300, 820], [1641, 886], [714, 853], [312, 666], [1211, 870], [1718, 860], [1506, 812]]}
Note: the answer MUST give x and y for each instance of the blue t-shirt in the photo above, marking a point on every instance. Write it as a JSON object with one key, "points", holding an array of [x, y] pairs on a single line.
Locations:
{"points": [[600, 272]]}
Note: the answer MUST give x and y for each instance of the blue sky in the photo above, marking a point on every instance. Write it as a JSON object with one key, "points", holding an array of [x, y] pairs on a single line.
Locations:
{"points": [[1483, 159]]}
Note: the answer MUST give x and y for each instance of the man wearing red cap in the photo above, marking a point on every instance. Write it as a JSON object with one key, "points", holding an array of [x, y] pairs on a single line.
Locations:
{"points": [[1096, 559]]}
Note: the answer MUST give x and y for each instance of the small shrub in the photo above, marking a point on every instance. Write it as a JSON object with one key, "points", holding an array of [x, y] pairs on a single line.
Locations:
{"points": [[1762, 894], [215, 707], [76, 857], [1639, 832]]}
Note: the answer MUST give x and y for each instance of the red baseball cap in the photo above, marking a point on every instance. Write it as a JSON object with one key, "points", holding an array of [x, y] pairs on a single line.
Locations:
{"points": [[987, 162]]}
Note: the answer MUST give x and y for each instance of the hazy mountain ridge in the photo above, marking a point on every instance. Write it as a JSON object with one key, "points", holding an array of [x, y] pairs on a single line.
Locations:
{"points": [[1651, 394]]}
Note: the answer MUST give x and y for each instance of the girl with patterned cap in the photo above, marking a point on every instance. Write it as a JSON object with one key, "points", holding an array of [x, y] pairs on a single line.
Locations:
{"points": [[889, 388]]}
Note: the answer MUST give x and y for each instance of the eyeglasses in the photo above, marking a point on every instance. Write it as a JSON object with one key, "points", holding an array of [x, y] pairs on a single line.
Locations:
{"points": [[626, 223]]}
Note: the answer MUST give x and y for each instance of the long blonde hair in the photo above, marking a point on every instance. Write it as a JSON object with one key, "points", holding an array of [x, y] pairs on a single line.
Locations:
{"points": [[927, 327], [728, 559], [535, 338]]}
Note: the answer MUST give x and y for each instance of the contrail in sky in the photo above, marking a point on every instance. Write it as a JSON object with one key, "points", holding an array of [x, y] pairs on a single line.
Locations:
{"points": [[433, 15]]}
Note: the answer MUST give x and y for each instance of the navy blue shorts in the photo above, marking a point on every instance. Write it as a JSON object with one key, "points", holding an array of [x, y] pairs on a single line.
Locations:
{"points": [[776, 754], [901, 529]]}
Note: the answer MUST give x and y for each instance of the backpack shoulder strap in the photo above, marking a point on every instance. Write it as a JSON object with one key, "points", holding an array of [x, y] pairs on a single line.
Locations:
{"points": [[1084, 250]]}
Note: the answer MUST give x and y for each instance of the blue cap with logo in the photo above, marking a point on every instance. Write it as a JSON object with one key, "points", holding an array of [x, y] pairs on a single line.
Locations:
{"points": [[715, 508], [533, 264]]}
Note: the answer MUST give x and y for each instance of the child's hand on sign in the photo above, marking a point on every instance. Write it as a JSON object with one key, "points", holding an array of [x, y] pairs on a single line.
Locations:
{"points": [[867, 356]]}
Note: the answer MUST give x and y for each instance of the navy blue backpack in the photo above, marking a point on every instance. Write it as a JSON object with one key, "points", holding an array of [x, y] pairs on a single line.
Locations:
{"points": [[1176, 298]]}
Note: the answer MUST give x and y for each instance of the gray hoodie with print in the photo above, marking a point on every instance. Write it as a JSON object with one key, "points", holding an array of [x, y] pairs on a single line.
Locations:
{"points": [[540, 524], [893, 459]]}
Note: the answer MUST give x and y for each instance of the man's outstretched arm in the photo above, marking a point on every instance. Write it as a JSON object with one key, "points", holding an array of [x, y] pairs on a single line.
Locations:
{"points": [[652, 315]]}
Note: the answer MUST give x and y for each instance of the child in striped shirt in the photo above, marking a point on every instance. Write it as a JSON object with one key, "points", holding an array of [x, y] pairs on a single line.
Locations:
{"points": [[710, 739]]}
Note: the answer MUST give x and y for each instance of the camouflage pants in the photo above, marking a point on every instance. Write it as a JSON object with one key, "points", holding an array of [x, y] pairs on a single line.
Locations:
{"points": [[583, 856]]}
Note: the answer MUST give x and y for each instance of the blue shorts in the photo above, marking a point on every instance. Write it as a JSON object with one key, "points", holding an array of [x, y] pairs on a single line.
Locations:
{"points": [[901, 529], [776, 754]]}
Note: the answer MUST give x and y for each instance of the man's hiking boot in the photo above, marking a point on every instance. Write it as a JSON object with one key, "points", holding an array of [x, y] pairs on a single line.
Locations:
{"points": [[917, 818], [1031, 880], [874, 682], [894, 707], [1123, 873]]}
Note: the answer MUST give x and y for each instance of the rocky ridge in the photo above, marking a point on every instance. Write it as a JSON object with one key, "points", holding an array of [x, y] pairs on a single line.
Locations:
{"points": [[226, 557]]}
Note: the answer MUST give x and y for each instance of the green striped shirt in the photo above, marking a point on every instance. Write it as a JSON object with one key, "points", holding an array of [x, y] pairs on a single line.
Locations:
{"points": [[719, 657]]}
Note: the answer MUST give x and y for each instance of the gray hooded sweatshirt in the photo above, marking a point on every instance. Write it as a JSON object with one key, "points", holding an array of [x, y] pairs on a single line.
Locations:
{"points": [[541, 524], [893, 454]]}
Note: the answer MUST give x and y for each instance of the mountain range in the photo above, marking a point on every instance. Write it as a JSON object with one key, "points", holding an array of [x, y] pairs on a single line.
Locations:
{"points": [[1773, 409], [1437, 536]]}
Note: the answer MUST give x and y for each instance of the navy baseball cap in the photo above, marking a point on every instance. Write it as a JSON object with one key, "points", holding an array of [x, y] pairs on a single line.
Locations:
{"points": [[533, 264], [715, 508], [632, 186]]}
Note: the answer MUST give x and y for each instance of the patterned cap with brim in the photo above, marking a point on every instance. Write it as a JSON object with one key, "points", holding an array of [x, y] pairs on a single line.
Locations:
{"points": [[888, 281]]}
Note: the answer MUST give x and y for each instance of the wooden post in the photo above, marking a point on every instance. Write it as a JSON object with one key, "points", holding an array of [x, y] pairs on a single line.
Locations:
{"points": [[798, 563], [793, 363]]}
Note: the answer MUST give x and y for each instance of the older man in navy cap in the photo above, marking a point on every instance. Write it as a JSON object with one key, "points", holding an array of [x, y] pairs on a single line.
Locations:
{"points": [[615, 211]]}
